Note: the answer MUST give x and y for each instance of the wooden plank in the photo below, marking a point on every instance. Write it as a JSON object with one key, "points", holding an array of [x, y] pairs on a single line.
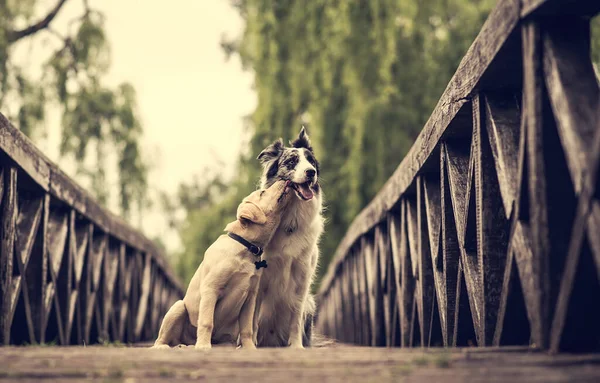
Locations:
{"points": [[572, 88], [356, 298], [494, 33], [42, 267], [368, 255], [7, 249], [378, 339], [461, 180], [26, 233], [589, 186], [426, 273], [450, 253], [24, 153], [110, 269], [145, 292], [429, 190], [395, 234], [457, 158], [521, 239], [364, 293], [531, 8], [593, 228], [336, 363], [421, 264], [533, 115], [391, 303], [57, 233], [382, 256], [389, 281], [503, 130], [345, 309], [492, 225], [407, 281], [70, 293]]}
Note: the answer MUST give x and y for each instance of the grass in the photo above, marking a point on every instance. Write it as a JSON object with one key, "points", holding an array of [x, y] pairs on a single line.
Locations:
{"points": [[43, 344], [422, 360], [164, 373], [442, 360]]}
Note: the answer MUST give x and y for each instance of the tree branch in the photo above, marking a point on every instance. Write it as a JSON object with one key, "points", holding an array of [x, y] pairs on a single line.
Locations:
{"points": [[42, 24]]}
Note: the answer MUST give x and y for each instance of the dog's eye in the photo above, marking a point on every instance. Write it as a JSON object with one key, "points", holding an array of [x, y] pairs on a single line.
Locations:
{"points": [[262, 192], [291, 162]]}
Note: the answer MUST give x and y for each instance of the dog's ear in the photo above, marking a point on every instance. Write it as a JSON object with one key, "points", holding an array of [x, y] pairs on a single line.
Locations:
{"points": [[271, 152], [249, 212], [302, 141]]}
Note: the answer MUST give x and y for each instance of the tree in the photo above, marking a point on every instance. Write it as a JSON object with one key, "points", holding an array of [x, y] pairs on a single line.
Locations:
{"points": [[94, 117], [363, 76]]}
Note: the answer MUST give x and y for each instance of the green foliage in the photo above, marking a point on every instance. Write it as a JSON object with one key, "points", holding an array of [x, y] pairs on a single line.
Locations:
{"points": [[94, 117], [363, 76]]}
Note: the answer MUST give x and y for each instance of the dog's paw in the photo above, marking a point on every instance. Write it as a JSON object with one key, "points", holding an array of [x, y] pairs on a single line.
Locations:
{"points": [[203, 346], [160, 347], [297, 346]]}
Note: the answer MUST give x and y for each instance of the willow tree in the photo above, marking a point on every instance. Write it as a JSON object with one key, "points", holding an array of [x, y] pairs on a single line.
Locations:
{"points": [[95, 118], [363, 75]]}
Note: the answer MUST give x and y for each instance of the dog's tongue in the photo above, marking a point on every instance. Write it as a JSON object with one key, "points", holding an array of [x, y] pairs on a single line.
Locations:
{"points": [[304, 189]]}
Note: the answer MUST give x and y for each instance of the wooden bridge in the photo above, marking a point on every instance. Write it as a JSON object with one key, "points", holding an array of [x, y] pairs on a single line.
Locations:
{"points": [[487, 235], [71, 272]]}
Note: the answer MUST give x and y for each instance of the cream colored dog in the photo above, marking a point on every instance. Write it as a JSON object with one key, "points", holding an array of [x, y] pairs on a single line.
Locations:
{"points": [[220, 300]]}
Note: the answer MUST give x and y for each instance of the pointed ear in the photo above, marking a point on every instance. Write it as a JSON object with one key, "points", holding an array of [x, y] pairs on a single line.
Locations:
{"points": [[271, 152], [302, 141], [249, 212]]}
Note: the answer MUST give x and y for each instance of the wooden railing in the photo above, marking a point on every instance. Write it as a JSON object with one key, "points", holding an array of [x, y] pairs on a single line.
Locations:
{"points": [[488, 233], [71, 272]]}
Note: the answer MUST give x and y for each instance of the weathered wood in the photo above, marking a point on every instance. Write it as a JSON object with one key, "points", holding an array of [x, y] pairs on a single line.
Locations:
{"points": [[494, 33], [585, 314], [7, 249], [50, 178], [492, 225], [502, 126], [554, 7], [572, 88], [533, 114], [503, 239], [145, 292], [450, 253], [24, 153], [337, 363], [53, 237], [27, 224], [426, 270]]}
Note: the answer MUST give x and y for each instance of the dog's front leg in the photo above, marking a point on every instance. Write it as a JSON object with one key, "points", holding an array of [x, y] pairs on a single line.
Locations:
{"points": [[302, 292], [297, 322], [246, 319], [256, 316], [206, 314]]}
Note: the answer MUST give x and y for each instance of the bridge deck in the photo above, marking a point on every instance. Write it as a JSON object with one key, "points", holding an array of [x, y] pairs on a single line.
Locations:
{"points": [[335, 364]]}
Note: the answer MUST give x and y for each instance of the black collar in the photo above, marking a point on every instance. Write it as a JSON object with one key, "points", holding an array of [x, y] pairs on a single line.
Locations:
{"points": [[256, 250]]}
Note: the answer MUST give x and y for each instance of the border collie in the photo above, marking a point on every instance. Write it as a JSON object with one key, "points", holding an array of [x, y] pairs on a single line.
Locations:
{"points": [[285, 307]]}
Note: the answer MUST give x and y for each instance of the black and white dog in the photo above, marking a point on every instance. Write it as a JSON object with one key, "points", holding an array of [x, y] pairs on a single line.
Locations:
{"points": [[285, 306]]}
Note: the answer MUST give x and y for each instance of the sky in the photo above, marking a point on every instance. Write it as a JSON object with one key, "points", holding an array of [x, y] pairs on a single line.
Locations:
{"points": [[191, 99]]}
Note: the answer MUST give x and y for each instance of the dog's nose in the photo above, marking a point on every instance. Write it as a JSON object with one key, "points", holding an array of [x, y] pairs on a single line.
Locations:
{"points": [[310, 173]]}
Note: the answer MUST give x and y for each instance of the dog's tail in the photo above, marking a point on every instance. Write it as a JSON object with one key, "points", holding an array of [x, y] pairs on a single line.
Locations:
{"points": [[310, 339], [318, 340]]}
